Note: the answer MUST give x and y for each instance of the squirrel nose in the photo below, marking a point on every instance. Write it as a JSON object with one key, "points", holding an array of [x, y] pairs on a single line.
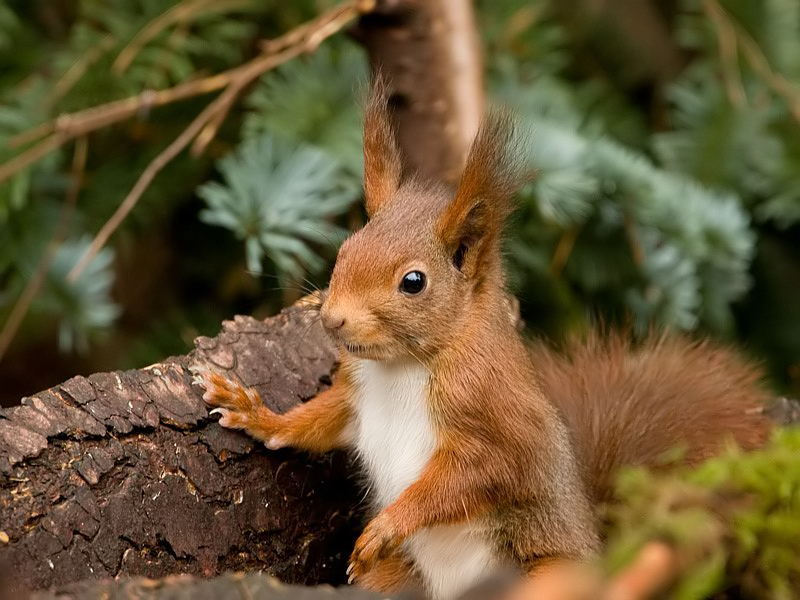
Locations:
{"points": [[331, 320]]}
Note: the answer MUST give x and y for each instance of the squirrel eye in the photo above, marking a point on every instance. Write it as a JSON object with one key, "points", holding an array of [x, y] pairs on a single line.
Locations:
{"points": [[412, 283]]}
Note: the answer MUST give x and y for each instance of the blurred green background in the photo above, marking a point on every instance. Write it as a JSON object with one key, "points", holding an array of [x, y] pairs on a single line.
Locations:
{"points": [[666, 136]]}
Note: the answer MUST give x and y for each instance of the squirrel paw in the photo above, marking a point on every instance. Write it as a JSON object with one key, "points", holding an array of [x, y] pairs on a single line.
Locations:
{"points": [[238, 407], [389, 575], [379, 539]]}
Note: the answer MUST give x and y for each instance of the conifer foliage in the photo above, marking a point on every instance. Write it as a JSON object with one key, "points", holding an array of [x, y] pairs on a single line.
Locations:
{"points": [[650, 199]]}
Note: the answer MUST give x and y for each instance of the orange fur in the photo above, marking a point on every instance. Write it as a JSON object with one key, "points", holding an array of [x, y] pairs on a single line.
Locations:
{"points": [[317, 426], [383, 165], [390, 574], [523, 441], [629, 404]]}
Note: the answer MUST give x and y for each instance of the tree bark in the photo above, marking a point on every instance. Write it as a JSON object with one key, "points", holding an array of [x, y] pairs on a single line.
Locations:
{"points": [[232, 586], [124, 474]]}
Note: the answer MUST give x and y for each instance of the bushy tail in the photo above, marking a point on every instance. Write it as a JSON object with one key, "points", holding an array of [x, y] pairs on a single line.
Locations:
{"points": [[630, 404]]}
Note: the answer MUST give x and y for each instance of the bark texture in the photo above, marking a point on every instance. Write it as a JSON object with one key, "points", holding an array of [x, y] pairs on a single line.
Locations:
{"points": [[225, 587], [124, 474]]}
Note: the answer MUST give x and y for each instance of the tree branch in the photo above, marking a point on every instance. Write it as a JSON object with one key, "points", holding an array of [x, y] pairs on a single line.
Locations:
{"points": [[66, 127], [122, 473], [430, 55], [732, 34], [312, 34]]}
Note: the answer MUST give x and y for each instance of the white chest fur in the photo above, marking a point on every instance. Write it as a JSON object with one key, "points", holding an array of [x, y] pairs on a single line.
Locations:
{"points": [[394, 436], [395, 439]]}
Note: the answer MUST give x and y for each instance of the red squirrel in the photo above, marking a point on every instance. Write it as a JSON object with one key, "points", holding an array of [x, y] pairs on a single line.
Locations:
{"points": [[480, 452]]}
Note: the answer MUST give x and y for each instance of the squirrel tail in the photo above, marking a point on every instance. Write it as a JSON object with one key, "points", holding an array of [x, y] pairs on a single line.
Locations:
{"points": [[629, 403]]}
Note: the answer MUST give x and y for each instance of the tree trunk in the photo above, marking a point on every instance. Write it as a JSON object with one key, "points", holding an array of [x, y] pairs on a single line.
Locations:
{"points": [[123, 473], [430, 54]]}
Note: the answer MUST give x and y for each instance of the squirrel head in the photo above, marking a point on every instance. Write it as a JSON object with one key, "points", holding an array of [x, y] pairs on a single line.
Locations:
{"points": [[428, 261]]}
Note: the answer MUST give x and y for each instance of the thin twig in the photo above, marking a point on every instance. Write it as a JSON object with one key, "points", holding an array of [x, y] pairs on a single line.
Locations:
{"points": [[335, 17], [728, 54], [655, 567], [308, 36], [23, 303], [779, 84], [78, 69], [71, 125], [176, 14], [155, 166], [209, 131], [563, 250], [755, 56], [32, 155], [246, 74], [59, 131]]}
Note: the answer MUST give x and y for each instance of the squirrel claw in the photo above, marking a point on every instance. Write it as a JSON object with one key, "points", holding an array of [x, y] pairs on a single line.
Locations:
{"points": [[378, 539], [239, 408], [353, 573], [236, 406]]}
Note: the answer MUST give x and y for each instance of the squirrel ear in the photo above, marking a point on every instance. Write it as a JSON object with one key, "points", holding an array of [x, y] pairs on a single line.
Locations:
{"points": [[495, 170], [383, 165]]}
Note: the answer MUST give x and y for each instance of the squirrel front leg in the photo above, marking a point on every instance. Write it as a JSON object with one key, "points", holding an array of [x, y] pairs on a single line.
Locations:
{"points": [[450, 489], [319, 425]]}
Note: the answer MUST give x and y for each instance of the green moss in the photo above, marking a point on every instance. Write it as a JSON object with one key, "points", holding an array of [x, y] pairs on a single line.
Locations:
{"points": [[734, 521]]}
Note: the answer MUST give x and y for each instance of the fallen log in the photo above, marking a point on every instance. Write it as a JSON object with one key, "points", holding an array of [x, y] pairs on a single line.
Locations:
{"points": [[123, 473]]}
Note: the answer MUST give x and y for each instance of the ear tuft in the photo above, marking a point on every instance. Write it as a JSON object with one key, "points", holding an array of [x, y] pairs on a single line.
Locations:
{"points": [[496, 167], [494, 172], [383, 164]]}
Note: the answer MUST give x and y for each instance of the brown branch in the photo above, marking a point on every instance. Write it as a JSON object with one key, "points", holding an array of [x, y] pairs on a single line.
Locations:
{"points": [[325, 25], [209, 131], [162, 160], [176, 14], [654, 568], [726, 37], [69, 126], [759, 63], [317, 30], [30, 156], [78, 69]]}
